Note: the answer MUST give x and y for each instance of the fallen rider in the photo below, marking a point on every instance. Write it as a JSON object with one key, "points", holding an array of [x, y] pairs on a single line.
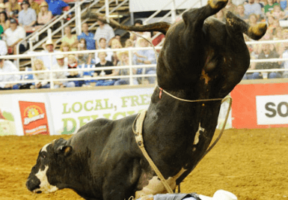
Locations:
{"points": [[218, 195]]}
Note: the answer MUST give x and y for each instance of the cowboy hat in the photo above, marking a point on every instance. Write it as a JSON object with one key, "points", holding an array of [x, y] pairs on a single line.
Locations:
{"points": [[43, 4], [141, 38], [59, 56], [48, 42], [220, 195]]}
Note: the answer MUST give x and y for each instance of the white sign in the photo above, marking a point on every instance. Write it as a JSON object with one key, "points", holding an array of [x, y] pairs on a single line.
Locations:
{"points": [[272, 109], [71, 110]]}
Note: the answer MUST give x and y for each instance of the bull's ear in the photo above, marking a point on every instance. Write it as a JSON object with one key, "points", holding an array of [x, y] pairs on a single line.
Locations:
{"points": [[64, 149]]}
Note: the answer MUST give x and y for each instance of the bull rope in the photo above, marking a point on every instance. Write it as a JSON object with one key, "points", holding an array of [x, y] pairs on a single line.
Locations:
{"points": [[139, 120]]}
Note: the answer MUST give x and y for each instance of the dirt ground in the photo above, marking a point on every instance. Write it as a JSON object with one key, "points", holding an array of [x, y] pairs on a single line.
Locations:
{"points": [[253, 164]]}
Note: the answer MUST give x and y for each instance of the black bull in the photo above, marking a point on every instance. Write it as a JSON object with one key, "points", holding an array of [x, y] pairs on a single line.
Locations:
{"points": [[198, 61]]}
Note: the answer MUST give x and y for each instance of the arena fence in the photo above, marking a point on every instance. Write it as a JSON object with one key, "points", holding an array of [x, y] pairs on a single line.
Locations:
{"points": [[130, 66]]}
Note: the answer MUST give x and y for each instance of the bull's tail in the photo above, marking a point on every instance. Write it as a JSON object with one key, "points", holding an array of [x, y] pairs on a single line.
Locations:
{"points": [[159, 26]]}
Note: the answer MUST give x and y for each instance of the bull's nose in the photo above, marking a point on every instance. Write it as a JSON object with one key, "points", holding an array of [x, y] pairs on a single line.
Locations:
{"points": [[32, 184]]}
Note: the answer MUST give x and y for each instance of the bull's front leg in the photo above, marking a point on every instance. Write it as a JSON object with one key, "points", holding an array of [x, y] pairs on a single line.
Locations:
{"points": [[121, 182]]}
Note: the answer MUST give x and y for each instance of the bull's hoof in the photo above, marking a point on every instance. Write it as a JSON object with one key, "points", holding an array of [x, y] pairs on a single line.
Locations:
{"points": [[217, 4], [256, 32]]}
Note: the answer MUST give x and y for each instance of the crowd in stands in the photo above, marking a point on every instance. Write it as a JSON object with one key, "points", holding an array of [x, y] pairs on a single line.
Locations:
{"points": [[17, 19]]}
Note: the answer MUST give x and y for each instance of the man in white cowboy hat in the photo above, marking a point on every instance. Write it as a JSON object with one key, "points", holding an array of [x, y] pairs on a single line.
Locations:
{"points": [[48, 48], [218, 195], [145, 57], [61, 64]]}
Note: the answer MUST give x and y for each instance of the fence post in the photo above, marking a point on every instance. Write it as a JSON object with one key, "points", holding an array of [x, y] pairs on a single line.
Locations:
{"points": [[130, 67], [173, 11], [107, 10], [51, 73]]}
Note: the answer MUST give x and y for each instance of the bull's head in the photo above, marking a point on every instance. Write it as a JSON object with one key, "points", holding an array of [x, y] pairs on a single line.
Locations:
{"points": [[45, 175]]}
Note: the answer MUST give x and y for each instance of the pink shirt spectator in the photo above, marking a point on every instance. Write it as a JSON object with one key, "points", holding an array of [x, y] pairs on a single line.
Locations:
{"points": [[44, 18]]}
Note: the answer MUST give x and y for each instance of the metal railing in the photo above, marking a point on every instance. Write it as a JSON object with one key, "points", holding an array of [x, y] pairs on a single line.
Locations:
{"points": [[130, 66], [51, 71]]}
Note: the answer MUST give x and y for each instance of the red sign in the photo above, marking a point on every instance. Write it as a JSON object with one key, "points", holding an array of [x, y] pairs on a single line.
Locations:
{"points": [[260, 105], [34, 118]]}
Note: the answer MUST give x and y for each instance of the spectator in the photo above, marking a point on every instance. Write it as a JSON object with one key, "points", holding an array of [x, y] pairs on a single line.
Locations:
{"points": [[40, 78], [241, 14], [129, 43], [252, 8], [65, 47], [252, 20], [268, 8], [145, 57], [115, 44], [104, 63], [220, 16], [124, 61], [56, 6], [277, 13], [44, 15], [2, 7], [261, 3], [230, 7], [158, 39], [88, 36], [135, 37], [265, 54], [14, 35], [48, 48], [3, 48], [70, 39], [5, 67], [27, 16], [103, 31], [35, 6], [83, 58], [13, 8], [4, 21], [117, 37], [103, 45], [61, 75], [72, 64], [283, 4]]}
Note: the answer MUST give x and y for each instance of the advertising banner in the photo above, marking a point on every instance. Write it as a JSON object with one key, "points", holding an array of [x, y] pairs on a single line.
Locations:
{"points": [[71, 110], [7, 118], [260, 105], [34, 118], [56, 113]]}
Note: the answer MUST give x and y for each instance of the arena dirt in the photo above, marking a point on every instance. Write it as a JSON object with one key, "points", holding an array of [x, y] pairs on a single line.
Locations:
{"points": [[253, 164]]}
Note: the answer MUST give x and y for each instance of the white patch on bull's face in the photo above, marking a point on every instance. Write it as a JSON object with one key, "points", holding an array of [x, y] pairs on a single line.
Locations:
{"points": [[155, 186], [44, 184], [196, 139], [44, 149]]}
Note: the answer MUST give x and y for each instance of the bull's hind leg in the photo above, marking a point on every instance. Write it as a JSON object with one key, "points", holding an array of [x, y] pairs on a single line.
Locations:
{"points": [[235, 27], [196, 17]]}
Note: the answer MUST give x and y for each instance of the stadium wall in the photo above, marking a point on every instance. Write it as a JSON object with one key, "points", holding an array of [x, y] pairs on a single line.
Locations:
{"points": [[64, 111]]}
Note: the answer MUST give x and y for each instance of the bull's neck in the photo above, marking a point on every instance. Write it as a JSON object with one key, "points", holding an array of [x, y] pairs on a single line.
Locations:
{"points": [[77, 174]]}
